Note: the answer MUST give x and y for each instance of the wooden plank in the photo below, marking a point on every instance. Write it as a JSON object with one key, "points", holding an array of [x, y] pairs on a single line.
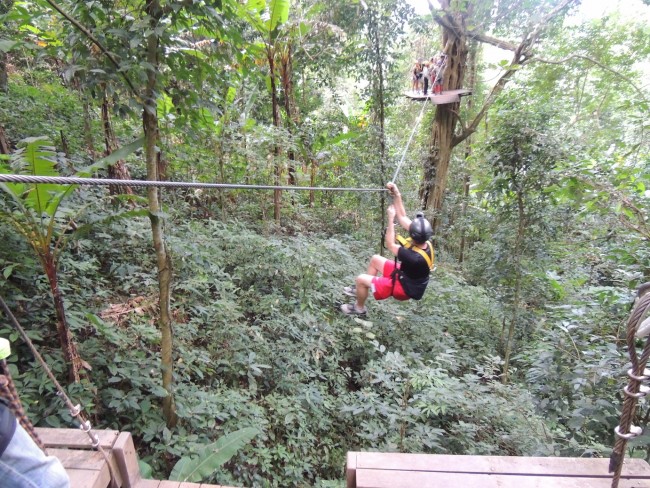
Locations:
{"points": [[436, 99], [148, 484], [75, 438], [593, 467], [127, 460], [169, 484], [375, 478], [79, 459], [189, 485], [89, 461], [83, 478], [351, 469]]}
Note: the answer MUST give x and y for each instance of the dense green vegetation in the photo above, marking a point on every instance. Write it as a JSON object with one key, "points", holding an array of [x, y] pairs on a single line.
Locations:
{"points": [[542, 235]]}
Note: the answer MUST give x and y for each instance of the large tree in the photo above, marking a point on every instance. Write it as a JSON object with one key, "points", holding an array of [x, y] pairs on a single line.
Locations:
{"points": [[460, 22]]}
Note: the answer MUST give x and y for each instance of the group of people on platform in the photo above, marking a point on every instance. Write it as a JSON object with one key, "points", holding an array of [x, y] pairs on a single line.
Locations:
{"points": [[429, 75]]}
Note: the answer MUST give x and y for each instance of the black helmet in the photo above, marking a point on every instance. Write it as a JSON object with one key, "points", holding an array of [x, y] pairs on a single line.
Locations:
{"points": [[420, 229]]}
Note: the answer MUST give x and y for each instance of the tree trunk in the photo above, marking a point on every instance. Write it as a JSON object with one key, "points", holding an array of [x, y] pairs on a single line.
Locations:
{"points": [[471, 83], [4, 145], [436, 165], [521, 229], [4, 77], [118, 170], [463, 214], [68, 345], [88, 129], [286, 70], [275, 105], [150, 125], [380, 105]]}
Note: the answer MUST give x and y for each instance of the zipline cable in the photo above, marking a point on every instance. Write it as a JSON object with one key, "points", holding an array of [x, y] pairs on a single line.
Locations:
{"points": [[415, 126], [73, 180]]}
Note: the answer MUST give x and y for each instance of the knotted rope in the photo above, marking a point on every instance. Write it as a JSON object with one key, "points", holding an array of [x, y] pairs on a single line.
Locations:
{"points": [[10, 395], [638, 325]]}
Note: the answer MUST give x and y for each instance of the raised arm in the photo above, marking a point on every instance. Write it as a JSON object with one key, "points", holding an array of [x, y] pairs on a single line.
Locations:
{"points": [[389, 239], [400, 213]]}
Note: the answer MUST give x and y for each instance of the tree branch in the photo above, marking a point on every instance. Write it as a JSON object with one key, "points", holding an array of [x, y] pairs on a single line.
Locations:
{"points": [[479, 36], [494, 93], [94, 40]]}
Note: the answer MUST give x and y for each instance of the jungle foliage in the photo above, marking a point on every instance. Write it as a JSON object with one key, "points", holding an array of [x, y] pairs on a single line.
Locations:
{"points": [[515, 349]]}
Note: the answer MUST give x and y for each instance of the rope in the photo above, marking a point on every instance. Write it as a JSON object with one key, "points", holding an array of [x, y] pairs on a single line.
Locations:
{"points": [[75, 410], [415, 126], [72, 180], [634, 389], [8, 392]]}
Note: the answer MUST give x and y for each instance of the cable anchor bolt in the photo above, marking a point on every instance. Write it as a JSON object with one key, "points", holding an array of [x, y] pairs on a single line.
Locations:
{"points": [[634, 432], [645, 376], [643, 391]]}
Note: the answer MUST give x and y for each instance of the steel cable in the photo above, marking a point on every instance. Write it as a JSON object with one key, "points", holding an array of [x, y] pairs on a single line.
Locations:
{"points": [[73, 180]]}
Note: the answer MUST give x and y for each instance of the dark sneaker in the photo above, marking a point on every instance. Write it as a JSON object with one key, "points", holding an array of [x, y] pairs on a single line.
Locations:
{"points": [[350, 291], [351, 309]]}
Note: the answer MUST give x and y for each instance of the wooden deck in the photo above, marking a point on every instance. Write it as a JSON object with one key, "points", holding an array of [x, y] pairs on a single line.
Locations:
{"points": [[87, 468], [449, 96], [394, 470]]}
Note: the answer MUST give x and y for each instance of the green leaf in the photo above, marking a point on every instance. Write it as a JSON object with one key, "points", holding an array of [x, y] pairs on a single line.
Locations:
{"points": [[196, 469], [145, 470], [279, 13], [7, 45], [112, 158], [7, 271]]}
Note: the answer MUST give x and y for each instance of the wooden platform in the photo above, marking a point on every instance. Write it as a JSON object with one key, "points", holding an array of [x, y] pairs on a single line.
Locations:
{"points": [[449, 96], [87, 468], [394, 470]]}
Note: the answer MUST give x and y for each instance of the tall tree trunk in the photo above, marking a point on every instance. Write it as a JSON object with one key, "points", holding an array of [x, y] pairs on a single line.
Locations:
{"points": [[521, 229], [5, 6], [4, 77], [4, 144], [150, 125], [286, 70], [275, 105], [380, 105], [471, 83], [68, 345], [118, 170], [436, 164], [88, 128]]}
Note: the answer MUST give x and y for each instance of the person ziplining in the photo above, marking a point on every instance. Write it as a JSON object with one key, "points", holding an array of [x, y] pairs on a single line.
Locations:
{"points": [[407, 276]]}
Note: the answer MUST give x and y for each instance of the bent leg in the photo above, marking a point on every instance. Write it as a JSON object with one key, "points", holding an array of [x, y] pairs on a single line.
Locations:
{"points": [[376, 265], [364, 282]]}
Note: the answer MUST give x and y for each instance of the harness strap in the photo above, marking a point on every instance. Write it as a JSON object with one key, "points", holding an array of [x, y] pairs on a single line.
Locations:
{"points": [[409, 244]]}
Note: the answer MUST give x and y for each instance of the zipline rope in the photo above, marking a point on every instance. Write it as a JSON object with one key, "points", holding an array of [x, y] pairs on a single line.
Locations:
{"points": [[75, 410], [73, 180], [415, 126]]}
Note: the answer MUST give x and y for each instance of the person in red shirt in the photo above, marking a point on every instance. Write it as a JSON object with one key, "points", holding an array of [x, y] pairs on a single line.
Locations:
{"points": [[405, 279]]}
